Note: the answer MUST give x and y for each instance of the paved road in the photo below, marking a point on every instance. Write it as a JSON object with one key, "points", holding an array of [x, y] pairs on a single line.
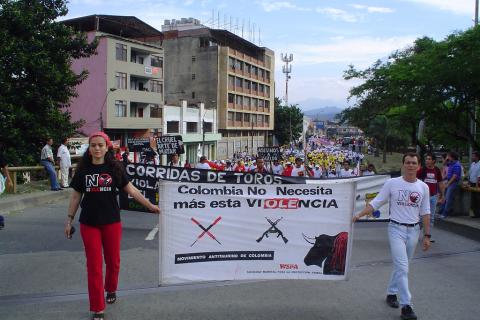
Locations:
{"points": [[42, 276]]}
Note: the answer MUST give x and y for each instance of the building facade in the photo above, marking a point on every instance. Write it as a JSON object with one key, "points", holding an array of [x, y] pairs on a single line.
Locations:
{"points": [[124, 91], [196, 125], [224, 72]]}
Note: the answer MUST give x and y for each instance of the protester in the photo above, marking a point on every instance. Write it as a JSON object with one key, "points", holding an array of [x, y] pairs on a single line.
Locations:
{"points": [[240, 167], [228, 166], [175, 161], [260, 166], [317, 171], [187, 165], [46, 159], [65, 162], [298, 169], [432, 176], [474, 182], [454, 175], [408, 200], [203, 163], [126, 160], [346, 172], [370, 170], [277, 167], [95, 184]]}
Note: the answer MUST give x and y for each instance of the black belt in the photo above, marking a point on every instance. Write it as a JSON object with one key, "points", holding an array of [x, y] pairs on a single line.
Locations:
{"points": [[405, 224]]}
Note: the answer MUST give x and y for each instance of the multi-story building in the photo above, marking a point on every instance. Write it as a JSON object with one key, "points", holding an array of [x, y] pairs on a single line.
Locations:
{"points": [[226, 73], [124, 91]]}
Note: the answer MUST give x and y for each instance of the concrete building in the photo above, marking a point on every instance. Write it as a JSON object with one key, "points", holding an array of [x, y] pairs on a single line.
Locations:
{"points": [[196, 125], [224, 72], [124, 91]]}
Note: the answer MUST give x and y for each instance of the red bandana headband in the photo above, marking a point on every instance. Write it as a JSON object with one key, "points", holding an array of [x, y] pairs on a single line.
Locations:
{"points": [[104, 136]]}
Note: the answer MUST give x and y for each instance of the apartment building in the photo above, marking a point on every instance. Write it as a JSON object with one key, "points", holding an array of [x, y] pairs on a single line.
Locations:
{"points": [[124, 92], [224, 72]]}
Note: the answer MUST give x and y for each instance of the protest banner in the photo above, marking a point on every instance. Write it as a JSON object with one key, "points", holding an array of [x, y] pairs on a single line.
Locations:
{"points": [[269, 153], [298, 228], [138, 144], [168, 145]]}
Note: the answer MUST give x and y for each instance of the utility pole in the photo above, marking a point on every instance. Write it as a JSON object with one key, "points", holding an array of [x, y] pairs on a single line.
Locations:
{"points": [[287, 69], [473, 122], [103, 104]]}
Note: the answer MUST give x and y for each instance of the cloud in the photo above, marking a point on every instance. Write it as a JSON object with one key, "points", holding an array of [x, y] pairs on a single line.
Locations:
{"points": [[270, 6], [464, 7], [373, 9], [338, 14], [361, 51]]}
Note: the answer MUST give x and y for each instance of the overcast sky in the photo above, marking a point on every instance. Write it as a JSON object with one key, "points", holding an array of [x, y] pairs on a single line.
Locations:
{"points": [[324, 36]]}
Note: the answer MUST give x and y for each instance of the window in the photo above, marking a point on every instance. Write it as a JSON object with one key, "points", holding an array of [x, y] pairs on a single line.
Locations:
{"points": [[136, 111], [254, 86], [238, 82], [261, 103], [239, 100], [231, 62], [259, 118], [121, 52], [193, 76], [255, 102], [120, 80], [193, 94], [261, 88], [205, 43], [246, 101], [238, 116], [194, 58], [231, 98], [267, 105], [120, 108], [155, 111], [248, 84], [267, 75], [192, 127], [260, 73], [230, 116], [156, 86], [267, 119], [172, 126], [231, 82], [267, 91], [156, 62], [248, 68], [254, 70], [254, 118], [207, 127], [246, 117], [237, 64]]}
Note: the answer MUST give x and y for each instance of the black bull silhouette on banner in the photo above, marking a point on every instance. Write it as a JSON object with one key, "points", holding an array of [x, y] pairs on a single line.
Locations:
{"points": [[331, 251]]}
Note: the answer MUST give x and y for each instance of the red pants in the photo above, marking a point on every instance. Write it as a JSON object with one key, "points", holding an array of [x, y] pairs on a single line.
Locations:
{"points": [[94, 238]]}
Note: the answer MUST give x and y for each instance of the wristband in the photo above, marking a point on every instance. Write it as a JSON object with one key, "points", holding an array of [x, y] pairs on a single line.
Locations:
{"points": [[427, 236]]}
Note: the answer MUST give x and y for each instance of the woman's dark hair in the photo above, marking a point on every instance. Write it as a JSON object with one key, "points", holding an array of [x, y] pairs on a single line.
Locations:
{"points": [[110, 161]]}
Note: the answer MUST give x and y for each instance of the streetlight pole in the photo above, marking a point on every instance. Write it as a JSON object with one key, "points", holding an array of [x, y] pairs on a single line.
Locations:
{"points": [[103, 104], [473, 124]]}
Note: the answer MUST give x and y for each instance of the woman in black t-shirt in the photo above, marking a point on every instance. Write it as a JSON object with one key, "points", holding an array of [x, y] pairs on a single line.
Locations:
{"points": [[95, 185]]}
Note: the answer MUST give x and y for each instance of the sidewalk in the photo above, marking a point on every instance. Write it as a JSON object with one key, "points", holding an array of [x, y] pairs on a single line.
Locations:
{"points": [[28, 200]]}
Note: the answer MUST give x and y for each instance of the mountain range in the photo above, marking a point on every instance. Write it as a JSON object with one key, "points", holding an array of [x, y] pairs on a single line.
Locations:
{"points": [[325, 113]]}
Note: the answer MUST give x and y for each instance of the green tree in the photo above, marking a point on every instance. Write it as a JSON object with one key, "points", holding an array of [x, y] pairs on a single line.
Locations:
{"points": [[36, 82], [288, 122]]}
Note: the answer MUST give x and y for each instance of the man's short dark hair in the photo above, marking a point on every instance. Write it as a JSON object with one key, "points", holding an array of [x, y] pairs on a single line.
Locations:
{"points": [[412, 155], [453, 155], [476, 153], [431, 155], [64, 140]]}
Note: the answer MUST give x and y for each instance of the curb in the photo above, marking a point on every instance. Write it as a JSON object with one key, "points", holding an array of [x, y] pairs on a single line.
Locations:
{"points": [[464, 230], [21, 202]]}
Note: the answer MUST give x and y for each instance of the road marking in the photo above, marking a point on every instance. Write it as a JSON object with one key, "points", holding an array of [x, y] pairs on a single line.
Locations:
{"points": [[152, 233]]}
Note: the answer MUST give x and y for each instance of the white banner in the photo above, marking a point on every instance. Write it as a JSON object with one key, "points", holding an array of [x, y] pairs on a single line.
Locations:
{"points": [[219, 231], [367, 188]]}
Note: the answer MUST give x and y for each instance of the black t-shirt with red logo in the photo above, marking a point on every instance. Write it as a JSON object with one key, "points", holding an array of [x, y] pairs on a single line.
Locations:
{"points": [[99, 187]]}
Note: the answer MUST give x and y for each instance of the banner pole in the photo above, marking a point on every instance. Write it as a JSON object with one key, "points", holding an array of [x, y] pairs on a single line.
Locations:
{"points": [[161, 229]]}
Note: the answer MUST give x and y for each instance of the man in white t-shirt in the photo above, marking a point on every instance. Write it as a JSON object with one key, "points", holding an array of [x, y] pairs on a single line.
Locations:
{"points": [[299, 169], [63, 156], [346, 172], [203, 163], [408, 199], [277, 168]]}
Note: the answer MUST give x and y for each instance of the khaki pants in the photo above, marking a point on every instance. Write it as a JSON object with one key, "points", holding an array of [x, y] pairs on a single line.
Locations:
{"points": [[64, 176]]}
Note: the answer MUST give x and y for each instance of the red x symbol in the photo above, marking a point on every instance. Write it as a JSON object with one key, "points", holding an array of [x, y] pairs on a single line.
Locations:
{"points": [[205, 230]]}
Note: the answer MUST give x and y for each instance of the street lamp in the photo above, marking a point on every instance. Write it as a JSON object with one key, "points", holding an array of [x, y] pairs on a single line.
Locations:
{"points": [[103, 104], [212, 102]]}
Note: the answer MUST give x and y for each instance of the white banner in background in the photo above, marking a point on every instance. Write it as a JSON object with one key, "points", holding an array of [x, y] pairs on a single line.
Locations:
{"points": [[367, 188], [238, 231]]}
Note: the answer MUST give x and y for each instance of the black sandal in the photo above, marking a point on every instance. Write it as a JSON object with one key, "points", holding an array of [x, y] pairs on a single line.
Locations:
{"points": [[111, 297], [98, 316]]}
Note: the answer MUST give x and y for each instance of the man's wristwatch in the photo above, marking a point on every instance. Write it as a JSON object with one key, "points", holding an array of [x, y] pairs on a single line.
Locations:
{"points": [[427, 236]]}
